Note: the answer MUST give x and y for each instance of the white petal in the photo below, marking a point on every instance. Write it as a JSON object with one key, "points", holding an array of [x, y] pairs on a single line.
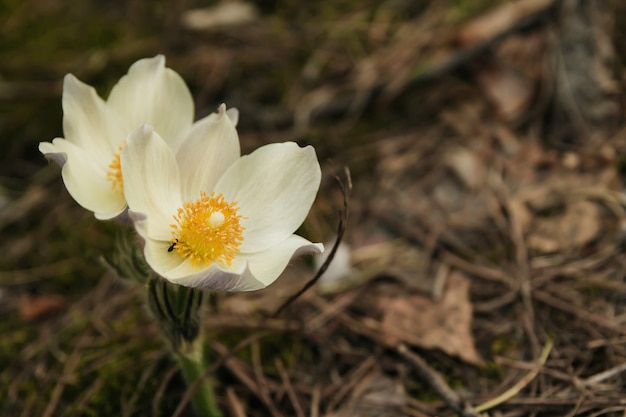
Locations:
{"points": [[151, 181], [155, 95], [232, 113], [216, 279], [85, 179], [184, 268], [173, 268], [88, 122], [53, 151], [266, 266], [156, 252], [274, 188], [180, 271], [210, 148]]}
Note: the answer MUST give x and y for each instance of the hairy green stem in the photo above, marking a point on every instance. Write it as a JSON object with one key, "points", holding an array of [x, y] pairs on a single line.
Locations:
{"points": [[192, 366]]}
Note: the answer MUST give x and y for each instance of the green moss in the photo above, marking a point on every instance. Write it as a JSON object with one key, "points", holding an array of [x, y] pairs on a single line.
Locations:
{"points": [[504, 344], [421, 392], [15, 337], [494, 370], [462, 10], [119, 378]]}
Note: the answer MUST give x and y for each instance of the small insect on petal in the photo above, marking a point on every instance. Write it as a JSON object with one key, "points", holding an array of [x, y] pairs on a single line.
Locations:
{"points": [[208, 230]]}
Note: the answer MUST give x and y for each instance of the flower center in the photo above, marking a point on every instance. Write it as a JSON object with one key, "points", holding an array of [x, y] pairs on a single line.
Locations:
{"points": [[207, 230], [114, 174]]}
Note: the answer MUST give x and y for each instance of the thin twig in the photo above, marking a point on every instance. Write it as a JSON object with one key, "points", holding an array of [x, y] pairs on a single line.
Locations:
{"points": [[515, 389], [341, 228], [235, 405], [356, 375], [261, 382], [146, 375], [604, 375], [315, 401], [193, 388], [160, 392], [436, 382], [578, 312], [71, 363], [284, 377]]}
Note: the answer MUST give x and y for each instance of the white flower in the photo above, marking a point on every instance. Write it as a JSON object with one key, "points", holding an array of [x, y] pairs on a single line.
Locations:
{"points": [[213, 219], [96, 130]]}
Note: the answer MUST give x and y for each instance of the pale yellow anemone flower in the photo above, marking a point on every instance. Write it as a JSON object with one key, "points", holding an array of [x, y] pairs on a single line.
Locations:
{"points": [[212, 219], [96, 130]]}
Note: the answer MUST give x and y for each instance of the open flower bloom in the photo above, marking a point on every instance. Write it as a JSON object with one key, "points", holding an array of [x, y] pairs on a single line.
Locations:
{"points": [[96, 130], [213, 219]]}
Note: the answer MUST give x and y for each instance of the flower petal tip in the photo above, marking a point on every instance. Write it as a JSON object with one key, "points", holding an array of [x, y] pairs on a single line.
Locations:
{"points": [[319, 248], [309, 249], [146, 129], [233, 115], [69, 78], [136, 216], [50, 151], [121, 216]]}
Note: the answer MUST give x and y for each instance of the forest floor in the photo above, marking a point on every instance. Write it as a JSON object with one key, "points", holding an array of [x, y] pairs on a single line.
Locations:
{"points": [[482, 270]]}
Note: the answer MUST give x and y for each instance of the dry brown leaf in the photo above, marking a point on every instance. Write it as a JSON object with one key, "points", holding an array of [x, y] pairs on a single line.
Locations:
{"points": [[375, 395], [509, 91], [445, 324], [520, 214], [38, 306], [572, 227], [542, 242], [468, 167], [500, 20], [580, 224]]}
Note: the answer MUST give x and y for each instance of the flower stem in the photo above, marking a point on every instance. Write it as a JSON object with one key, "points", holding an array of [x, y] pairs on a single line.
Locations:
{"points": [[192, 366]]}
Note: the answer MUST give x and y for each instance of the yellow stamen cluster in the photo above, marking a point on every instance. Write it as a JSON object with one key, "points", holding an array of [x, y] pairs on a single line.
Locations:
{"points": [[114, 174], [207, 230]]}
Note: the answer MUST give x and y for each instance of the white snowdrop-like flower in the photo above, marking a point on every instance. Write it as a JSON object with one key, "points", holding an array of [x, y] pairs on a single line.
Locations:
{"points": [[211, 218], [96, 130]]}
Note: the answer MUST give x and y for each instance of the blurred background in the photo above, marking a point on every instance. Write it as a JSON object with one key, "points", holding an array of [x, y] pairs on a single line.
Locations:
{"points": [[486, 148]]}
